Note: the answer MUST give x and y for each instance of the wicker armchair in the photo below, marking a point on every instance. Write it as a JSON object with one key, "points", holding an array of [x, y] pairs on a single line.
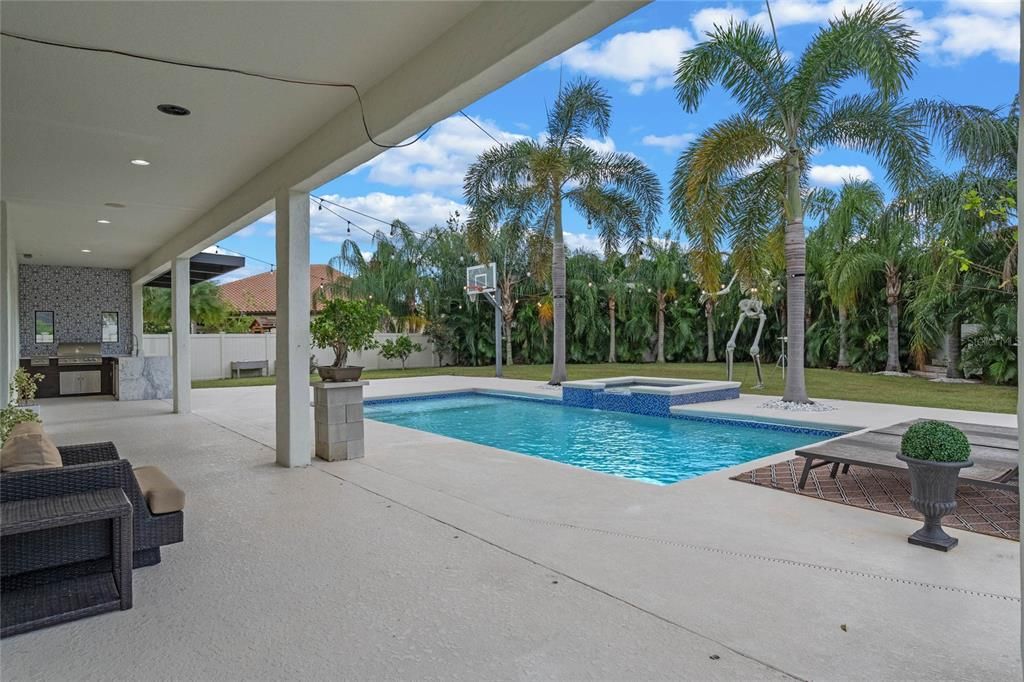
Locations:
{"points": [[44, 556]]}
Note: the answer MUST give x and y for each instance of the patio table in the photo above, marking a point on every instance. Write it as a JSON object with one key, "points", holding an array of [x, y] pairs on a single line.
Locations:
{"points": [[39, 606]]}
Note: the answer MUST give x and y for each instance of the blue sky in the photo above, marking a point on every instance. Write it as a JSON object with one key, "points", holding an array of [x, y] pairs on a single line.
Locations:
{"points": [[969, 54]]}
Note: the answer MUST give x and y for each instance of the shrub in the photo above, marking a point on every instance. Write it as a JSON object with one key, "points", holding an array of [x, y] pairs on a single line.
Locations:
{"points": [[935, 441], [400, 348]]}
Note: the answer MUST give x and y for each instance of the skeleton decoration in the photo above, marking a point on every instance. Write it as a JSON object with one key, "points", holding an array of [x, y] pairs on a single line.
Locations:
{"points": [[750, 308]]}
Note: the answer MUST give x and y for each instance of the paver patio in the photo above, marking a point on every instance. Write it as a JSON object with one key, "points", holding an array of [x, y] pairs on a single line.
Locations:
{"points": [[439, 558]]}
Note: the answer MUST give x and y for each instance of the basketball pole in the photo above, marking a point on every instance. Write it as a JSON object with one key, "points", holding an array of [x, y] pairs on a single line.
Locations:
{"points": [[495, 299]]}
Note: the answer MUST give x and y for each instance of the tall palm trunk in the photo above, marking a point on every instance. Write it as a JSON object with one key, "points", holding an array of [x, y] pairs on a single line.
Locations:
{"points": [[796, 263], [508, 343], [709, 313], [558, 371], [893, 286], [954, 342], [611, 324], [844, 361], [661, 326]]}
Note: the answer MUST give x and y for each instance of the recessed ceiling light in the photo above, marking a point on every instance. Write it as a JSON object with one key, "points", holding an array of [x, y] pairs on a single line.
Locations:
{"points": [[86, 250], [140, 162], [114, 204], [173, 110], [103, 221]]}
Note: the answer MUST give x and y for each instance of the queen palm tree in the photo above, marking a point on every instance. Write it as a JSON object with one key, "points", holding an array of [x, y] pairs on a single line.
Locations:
{"points": [[615, 288], [528, 181], [665, 272], [848, 215], [389, 275], [745, 178], [889, 246]]}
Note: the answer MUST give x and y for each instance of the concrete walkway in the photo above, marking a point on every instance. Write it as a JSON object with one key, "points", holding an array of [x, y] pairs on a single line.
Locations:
{"points": [[438, 558]]}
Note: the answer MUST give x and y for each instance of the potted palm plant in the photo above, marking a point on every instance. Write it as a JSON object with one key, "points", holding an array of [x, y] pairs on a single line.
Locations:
{"points": [[934, 453], [345, 326]]}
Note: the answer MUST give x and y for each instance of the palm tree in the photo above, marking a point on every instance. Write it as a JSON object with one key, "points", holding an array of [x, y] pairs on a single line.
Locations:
{"points": [[745, 178], [526, 182], [518, 254], [665, 273], [614, 287], [857, 205], [889, 246], [389, 275]]}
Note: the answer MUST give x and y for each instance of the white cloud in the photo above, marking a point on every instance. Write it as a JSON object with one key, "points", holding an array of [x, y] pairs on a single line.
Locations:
{"points": [[998, 8], [420, 211], [600, 146], [834, 175], [960, 29], [645, 60], [582, 241], [438, 161], [247, 231], [963, 35], [705, 20], [668, 143]]}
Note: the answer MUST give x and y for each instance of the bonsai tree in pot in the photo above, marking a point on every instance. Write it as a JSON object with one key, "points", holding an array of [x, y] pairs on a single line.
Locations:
{"points": [[345, 326], [935, 453]]}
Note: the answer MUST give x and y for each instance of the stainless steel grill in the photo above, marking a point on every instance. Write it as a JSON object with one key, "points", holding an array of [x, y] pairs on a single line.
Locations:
{"points": [[79, 354]]}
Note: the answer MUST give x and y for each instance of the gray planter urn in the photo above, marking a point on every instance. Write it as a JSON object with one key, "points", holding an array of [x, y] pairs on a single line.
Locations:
{"points": [[933, 493], [330, 373]]}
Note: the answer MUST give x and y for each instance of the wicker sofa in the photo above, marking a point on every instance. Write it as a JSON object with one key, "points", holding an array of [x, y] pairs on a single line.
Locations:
{"points": [[45, 556]]}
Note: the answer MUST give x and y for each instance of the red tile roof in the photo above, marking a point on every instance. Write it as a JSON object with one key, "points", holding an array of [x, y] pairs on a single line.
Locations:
{"points": [[257, 295]]}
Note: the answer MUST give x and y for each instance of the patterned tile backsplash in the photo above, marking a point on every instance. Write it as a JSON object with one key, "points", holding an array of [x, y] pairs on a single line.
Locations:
{"points": [[77, 297]]}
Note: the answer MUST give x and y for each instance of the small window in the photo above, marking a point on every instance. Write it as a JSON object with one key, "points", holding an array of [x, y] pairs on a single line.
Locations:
{"points": [[109, 328], [44, 326]]}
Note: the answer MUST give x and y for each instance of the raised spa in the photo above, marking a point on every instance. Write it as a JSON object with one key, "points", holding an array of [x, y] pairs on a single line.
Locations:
{"points": [[645, 395]]}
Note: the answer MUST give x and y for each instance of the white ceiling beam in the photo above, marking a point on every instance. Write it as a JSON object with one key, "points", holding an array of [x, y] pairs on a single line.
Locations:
{"points": [[494, 44]]}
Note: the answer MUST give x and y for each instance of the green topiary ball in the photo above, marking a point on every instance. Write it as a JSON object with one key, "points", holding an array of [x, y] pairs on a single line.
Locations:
{"points": [[935, 441]]}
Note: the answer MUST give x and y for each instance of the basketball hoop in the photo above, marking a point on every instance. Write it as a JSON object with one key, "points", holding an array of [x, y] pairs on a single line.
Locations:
{"points": [[483, 279]]}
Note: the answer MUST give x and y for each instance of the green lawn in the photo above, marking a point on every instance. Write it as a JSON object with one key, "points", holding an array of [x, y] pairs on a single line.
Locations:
{"points": [[821, 383]]}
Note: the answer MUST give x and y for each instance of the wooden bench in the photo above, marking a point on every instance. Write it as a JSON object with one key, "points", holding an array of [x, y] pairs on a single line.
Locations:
{"points": [[237, 366], [993, 449]]}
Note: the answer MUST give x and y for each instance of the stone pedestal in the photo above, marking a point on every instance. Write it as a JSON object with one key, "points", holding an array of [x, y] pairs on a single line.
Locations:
{"points": [[338, 415]]}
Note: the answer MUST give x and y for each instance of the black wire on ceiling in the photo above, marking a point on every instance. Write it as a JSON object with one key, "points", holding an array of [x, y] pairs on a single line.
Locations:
{"points": [[225, 69]]}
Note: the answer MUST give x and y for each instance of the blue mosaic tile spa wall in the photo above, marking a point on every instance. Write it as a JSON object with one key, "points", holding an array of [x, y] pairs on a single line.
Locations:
{"points": [[77, 297], [651, 404]]}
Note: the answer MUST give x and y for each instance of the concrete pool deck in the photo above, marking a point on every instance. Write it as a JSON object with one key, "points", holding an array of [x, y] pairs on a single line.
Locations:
{"points": [[433, 557]]}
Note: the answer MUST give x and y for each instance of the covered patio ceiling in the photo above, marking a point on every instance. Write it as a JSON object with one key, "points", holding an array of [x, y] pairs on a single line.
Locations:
{"points": [[73, 120]]}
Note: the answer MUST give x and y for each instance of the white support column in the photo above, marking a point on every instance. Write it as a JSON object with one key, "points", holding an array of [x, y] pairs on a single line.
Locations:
{"points": [[181, 324], [137, 319], [8, 305], [294, 442]]}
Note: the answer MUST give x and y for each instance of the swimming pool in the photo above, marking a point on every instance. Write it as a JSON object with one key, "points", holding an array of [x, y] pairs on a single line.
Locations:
{"points": [[659, 450]]}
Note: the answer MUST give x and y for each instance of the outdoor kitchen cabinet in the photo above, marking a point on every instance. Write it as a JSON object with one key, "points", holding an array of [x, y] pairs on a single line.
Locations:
{"points": [[100, 383]]}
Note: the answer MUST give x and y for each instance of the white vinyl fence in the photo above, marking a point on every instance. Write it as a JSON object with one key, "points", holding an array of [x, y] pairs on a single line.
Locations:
{"points": [[212, 354]]}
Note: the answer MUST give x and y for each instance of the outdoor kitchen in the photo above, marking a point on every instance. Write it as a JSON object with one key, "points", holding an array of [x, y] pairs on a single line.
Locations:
{"points": [[76, 331]]}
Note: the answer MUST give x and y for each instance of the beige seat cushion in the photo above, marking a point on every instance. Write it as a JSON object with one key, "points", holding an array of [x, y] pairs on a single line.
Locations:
{"points": [[162, 495], [28, 447]]}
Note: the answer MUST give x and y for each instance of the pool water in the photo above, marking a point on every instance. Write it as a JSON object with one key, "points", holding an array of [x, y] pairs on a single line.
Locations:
{"points": [[659, 450]]}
